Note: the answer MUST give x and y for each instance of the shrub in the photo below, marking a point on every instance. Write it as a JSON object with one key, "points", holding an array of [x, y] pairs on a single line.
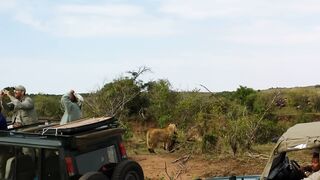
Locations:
{"points": [[245, 96], [48, 106], [162, 101], [268, 130], [209, 142], [315, 102], [121, 97]]}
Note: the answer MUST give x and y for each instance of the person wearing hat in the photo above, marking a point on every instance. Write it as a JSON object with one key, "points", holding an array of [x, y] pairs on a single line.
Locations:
{"points": [[71, 103], [22, 106]]}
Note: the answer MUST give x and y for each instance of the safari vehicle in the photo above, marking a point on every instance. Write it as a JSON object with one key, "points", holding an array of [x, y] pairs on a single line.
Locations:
{"points": [[304, 136], [87, 149]]}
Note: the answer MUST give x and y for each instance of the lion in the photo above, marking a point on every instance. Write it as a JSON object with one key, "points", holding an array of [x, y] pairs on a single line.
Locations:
{"points": [[165, 135]]}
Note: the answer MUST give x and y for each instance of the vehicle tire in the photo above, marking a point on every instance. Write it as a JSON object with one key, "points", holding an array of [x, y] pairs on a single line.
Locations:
{"points": [[128, 170], [94, 176]]}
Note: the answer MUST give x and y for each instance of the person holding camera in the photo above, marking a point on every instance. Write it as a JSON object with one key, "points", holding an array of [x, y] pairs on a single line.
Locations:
{"points": [[22, 106], [72, 103]]}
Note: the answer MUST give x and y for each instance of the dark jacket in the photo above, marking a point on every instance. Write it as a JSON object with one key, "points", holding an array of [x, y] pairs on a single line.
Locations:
{"points": [[3, 122]]}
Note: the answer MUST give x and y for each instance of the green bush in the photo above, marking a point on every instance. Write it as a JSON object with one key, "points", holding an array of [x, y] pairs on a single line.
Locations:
{"points": [[263, 102], [162, 101], [118, 98], [48, 106], [315, 102], [268, 130], [303, 117], [245, 96], [187, 108], [209, 142]]}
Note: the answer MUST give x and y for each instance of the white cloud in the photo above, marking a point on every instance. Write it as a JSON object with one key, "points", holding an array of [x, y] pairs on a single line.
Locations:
{"points": [[122, 10], [201, 9], [100, 26], [304, 7], [303, 37], [204, 9], [268, 22], [240, 21], [7, 4], [26, 18], [94, 20], [272, 32], [217, 48]]}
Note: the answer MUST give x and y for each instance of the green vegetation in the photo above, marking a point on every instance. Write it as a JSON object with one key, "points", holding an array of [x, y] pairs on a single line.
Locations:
{"points": [[48, 106], [223, 122]]}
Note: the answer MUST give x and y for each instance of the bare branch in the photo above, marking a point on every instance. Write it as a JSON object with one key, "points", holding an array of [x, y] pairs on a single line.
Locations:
{"points": [[255, 128], [213, 95], [206, 88], [178, 174], [141, 70], [183, 158], [166, 170]]}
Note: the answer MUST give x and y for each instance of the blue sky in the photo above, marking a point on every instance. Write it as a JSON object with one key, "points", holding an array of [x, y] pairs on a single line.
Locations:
{"points": [[54, 46]]}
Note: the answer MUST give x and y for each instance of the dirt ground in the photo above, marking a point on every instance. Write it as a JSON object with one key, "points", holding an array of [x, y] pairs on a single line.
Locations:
{"points": [[192, 167], [188, 167]]}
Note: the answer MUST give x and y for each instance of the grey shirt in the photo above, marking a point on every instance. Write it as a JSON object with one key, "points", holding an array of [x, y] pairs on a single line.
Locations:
{"points": [[314, 176], [72, 110], [23, 110]]}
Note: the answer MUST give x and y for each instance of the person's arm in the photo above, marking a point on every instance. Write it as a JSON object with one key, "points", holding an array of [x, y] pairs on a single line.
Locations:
{"points": [[66, 102], [6, 106], [26, 104], [314, 176], [306, 168]]}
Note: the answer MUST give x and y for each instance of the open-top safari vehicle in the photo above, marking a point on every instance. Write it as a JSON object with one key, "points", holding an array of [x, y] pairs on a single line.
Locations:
{"points": [[303, 136], [87, 149]]}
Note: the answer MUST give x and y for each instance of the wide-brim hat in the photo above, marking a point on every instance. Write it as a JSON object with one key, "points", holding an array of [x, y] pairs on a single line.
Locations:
{"points": [[20, 88]]}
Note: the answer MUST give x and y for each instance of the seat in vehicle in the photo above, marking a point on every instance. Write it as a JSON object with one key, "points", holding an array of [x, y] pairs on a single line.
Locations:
{"points": [[23, 170]]}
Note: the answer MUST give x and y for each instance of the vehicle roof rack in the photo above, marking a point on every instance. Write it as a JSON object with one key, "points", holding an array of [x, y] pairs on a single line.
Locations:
{"points": [[81, 126], [81, 134]]}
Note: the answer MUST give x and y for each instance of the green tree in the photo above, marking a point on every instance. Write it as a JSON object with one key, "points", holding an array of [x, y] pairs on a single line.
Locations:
{"points": [[245, 96], [119, 97], [188, 106], [162, 101]]}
